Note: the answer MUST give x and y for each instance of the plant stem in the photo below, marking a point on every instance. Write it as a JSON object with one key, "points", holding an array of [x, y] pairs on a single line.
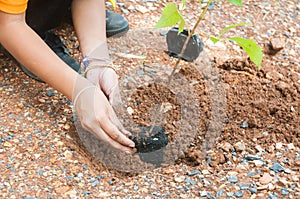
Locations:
{"points": [[191, 33], [177, 67]]}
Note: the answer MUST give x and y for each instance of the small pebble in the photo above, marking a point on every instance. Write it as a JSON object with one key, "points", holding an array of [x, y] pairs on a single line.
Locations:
{"points": [[210, 196], [203, 193], [80, 175], [211, 6], [272, 196], [291, 146], [201, 177], [140, 72], [179, 179], [252, 157], [251, 174], [258, 171], [220, 193], [265, 133], [188, 181], [69, 178], [258, 163], [229, 194], [39, 172], [293, 186], [226, 147], [244, 124], [288, 171], [95, 183], [243, 186], [205, 172], [130, 110], [232, 179], [185, 188], [240, 146], [277, 167], [238, 194], [100, 177], [86, 193], [208, 159], [284, 191], [252, 190], [125, 11], [194, 172], [265, 179], [278, 145], [49, 93]]}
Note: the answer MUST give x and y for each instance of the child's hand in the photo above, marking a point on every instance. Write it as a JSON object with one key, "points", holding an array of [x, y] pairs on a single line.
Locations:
{"points": [[107, 79], [98, 117]]}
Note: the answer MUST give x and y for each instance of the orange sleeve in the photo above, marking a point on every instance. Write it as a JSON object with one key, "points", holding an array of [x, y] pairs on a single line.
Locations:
{"points": [[13, 6]]}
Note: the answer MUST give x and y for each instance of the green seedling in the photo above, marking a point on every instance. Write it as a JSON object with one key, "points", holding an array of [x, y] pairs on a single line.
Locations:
{"points": [[171, 16]]}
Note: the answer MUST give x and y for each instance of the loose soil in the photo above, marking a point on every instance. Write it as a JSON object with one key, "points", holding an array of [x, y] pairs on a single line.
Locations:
{"points": [[234, 110]]}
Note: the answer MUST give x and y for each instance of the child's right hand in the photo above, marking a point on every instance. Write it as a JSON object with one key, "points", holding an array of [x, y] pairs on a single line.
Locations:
{"points": [[98, 117]]}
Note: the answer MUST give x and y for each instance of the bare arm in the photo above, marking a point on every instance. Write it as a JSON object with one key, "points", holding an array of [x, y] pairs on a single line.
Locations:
{"points": [[94, 110], [29, 49]]}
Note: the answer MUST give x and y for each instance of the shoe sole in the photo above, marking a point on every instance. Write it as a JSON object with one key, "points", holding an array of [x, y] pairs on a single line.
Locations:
{"points": [[117, 33]]}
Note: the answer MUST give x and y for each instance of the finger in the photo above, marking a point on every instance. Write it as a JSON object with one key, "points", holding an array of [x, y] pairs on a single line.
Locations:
{"points": [[108, 80], [114, 119], [115, 96], [125, 132], [112, 131], [99, 133], [92, 75]]}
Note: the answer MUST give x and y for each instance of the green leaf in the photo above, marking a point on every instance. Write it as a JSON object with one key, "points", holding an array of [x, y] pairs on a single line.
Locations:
{"points": [[181, 26], [233, 26], [214, 39], [236, 2], [170, 17], [251, 48]]}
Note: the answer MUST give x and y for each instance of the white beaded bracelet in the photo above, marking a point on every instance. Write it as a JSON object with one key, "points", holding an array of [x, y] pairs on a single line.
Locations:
{"points": [[80, 92]]}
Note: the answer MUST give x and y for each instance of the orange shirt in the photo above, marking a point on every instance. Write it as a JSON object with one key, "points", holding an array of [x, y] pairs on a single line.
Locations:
{"points": [[13, 6]]}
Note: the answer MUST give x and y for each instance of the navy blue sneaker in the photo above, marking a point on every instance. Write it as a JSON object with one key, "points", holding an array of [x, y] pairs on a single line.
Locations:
{"points": [[116, 24]]}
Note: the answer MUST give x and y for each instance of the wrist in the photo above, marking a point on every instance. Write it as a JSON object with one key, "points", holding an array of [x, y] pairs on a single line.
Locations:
{"points": [[92, 66], [80, 84], [85, 89]]}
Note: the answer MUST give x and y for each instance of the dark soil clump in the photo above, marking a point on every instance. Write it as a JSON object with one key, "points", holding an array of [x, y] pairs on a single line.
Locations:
{"points": [[146, 141]]}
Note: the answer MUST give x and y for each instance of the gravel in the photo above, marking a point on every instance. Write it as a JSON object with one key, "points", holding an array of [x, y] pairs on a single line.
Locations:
{"points": [[41, 156]]}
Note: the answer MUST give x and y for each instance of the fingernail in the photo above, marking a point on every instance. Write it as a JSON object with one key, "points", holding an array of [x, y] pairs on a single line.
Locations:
{"points": [[132, 145], [126, 132], [128, 152]]}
